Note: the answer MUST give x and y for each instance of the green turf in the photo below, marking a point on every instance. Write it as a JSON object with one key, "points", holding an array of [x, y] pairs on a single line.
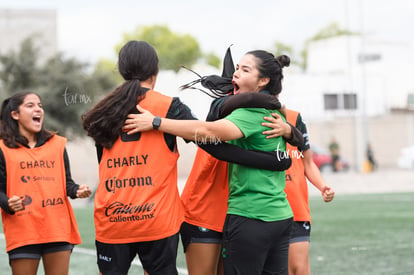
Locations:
{"points": [[363, 234], [366, 234]]}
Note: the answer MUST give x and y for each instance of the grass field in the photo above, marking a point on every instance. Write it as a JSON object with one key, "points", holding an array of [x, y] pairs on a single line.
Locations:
{"points": [[368, 234]]}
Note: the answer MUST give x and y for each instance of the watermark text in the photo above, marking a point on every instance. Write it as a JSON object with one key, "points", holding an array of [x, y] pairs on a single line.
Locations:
{"points": [[75, 98]]}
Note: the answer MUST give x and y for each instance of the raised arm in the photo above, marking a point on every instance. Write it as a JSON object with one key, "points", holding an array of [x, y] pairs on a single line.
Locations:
{"points": [[313, 174]]}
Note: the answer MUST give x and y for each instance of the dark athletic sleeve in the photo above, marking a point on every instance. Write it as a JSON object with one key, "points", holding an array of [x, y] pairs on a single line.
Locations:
{"points": [[248, 100], [71, 186], [273, 161], [301, 126], [4, 200], [99, 152], [177, 110], [297, 138]]}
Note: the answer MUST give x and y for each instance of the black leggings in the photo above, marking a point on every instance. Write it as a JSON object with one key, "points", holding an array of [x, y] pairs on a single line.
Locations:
{"points": [[253, 246]]}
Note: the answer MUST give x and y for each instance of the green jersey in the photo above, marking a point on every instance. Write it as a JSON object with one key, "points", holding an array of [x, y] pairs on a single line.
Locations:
{"points": [[255, 193]]}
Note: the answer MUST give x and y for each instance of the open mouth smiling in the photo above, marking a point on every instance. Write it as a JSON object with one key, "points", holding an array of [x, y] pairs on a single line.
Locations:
{"points": [[236, 87], [36, 119]]}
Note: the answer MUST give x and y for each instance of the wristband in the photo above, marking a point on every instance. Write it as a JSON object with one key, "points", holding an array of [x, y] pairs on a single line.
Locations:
{"points": [[156, 123]]}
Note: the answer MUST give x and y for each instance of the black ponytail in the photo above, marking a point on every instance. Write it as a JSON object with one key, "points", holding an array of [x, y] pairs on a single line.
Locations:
{"points": [[138, 61]]}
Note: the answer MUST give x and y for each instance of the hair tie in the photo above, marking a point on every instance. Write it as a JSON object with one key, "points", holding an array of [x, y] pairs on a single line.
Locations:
{"points": [[278, 62]]}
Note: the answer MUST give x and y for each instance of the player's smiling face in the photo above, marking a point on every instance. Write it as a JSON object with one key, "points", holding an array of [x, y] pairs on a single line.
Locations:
{"points": [[247, 78], [29, 116]]}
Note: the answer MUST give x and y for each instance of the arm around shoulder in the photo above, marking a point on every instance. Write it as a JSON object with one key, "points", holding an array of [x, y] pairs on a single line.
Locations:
{"points": [[188, 129]]}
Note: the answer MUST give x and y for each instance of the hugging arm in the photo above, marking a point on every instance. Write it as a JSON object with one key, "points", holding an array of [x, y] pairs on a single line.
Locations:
{"points": [[248, 100], [291, 134], [201, 131], [274, 161], [278, 127]]}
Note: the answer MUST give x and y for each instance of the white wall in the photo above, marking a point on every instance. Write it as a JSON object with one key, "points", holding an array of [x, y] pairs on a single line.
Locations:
{"points": [[19, 24], [334, 67]]}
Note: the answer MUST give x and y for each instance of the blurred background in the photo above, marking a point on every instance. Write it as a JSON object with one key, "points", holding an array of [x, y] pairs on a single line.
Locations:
{"points": [[351, 75]]}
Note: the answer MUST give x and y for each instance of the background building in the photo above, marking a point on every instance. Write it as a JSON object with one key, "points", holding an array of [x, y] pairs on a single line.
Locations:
{"points": [[19, 24], [358, 90]]}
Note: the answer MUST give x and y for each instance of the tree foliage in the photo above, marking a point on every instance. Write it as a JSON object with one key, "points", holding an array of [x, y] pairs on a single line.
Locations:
{"points": [[331, 30], [65, 85], [18, 69], [281, 48], [213, 60], [173, 49], [107, 69]]}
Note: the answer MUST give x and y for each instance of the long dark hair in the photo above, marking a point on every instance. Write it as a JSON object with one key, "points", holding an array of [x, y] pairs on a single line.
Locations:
{"points": [[9, 127], [271, 67], [218, 86], [137, 61], [267, 64]]}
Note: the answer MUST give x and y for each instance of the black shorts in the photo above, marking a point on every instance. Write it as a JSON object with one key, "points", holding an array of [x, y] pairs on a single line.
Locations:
{"points": [[252, 246], [196, 234], [157, 257], [35, 251], [300, 232]]}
